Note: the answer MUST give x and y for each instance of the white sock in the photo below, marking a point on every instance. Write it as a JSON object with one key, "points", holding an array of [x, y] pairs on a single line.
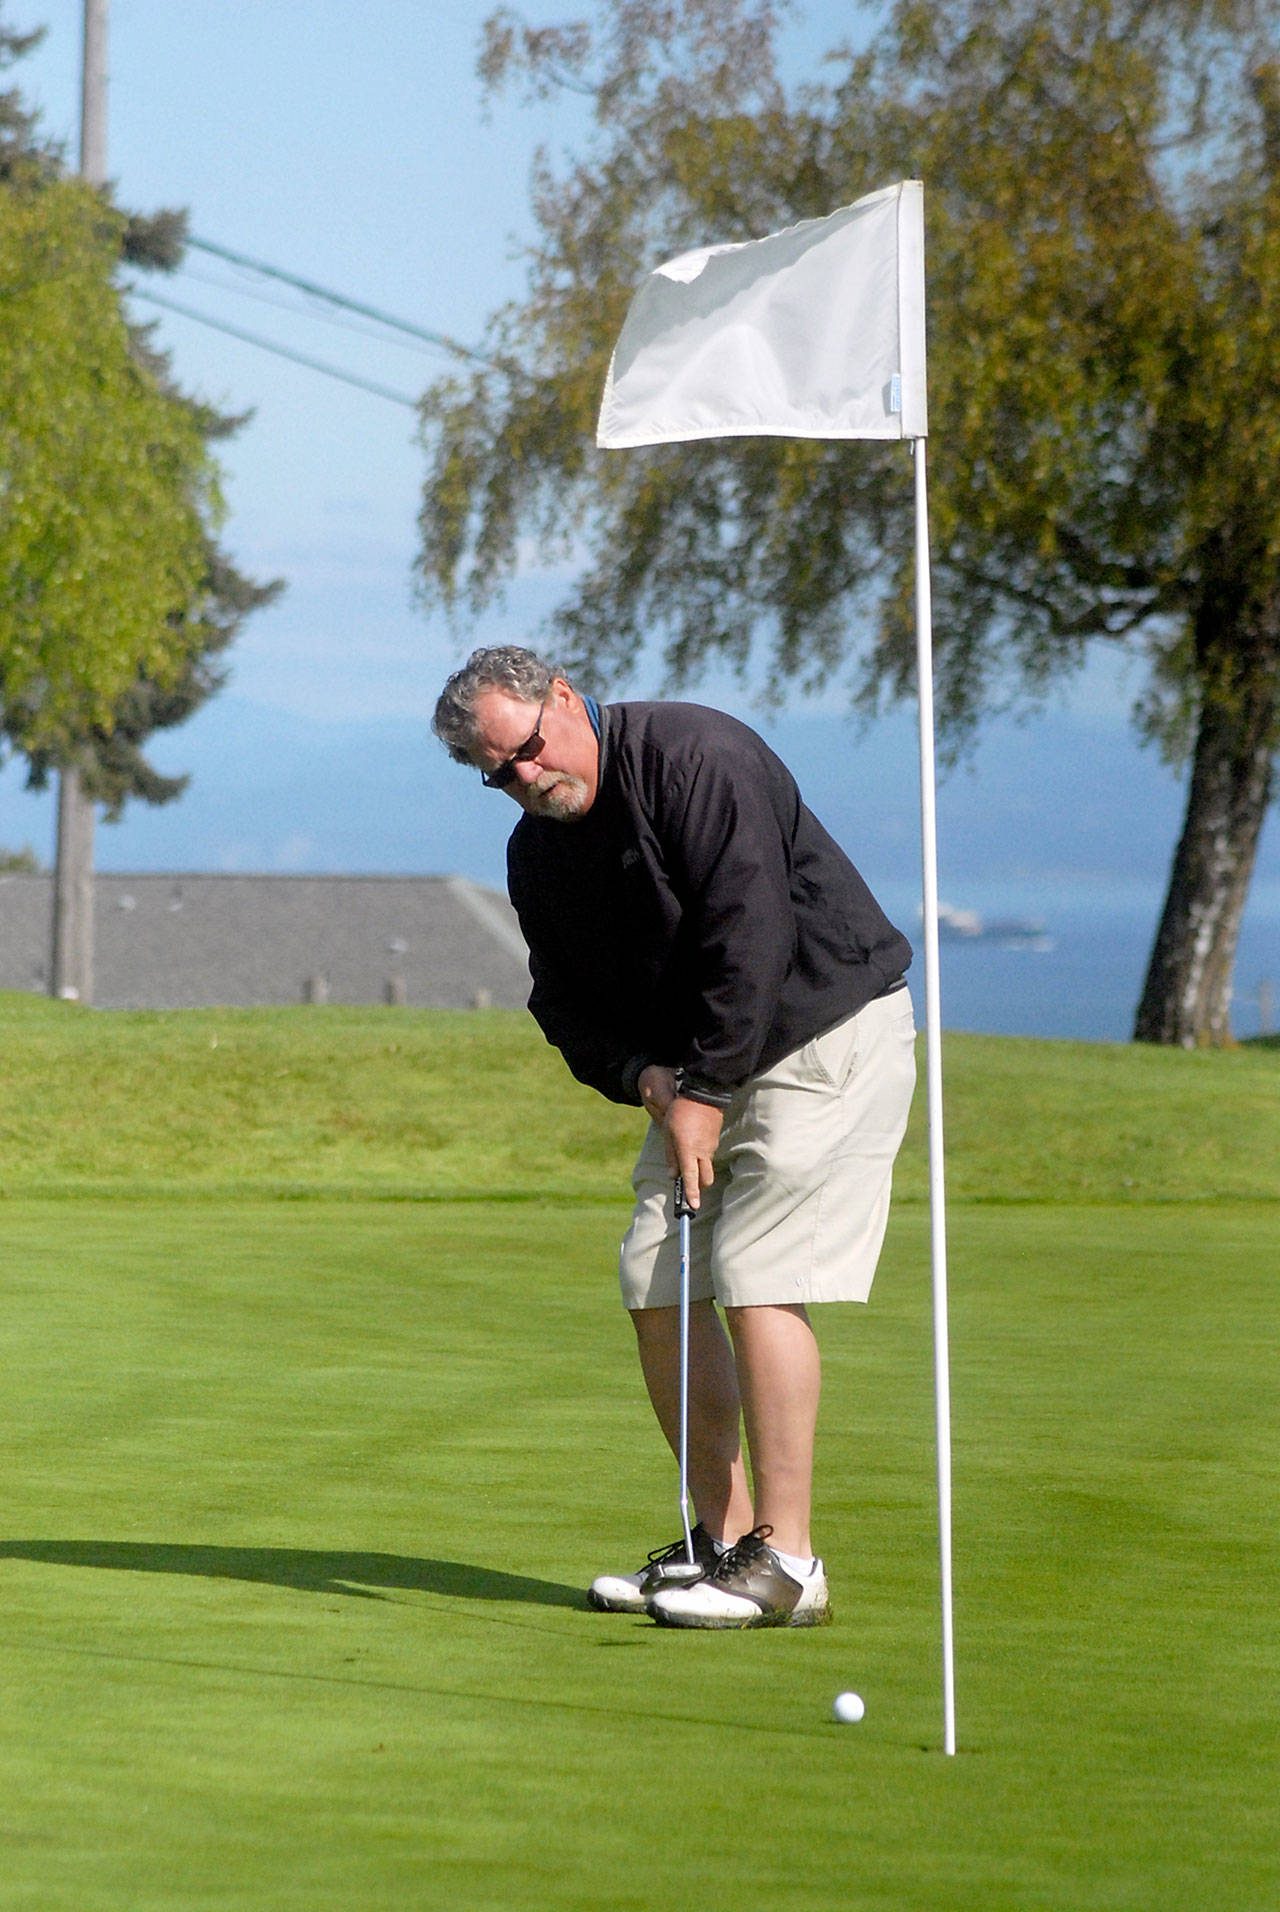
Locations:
{"points": [[794, 1564]]}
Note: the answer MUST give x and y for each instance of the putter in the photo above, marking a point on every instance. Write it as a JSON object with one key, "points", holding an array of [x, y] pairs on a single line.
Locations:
{"points": [[684, 1214]]}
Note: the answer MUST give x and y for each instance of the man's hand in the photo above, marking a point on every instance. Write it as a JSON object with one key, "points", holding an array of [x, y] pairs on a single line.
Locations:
{"points": [[657, 1086], [691, 1130], [692, 1134]]}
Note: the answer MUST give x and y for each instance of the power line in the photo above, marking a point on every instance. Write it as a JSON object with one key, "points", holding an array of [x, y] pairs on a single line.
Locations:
{"points": [[281, 351], [282, 303], [315, 291]]}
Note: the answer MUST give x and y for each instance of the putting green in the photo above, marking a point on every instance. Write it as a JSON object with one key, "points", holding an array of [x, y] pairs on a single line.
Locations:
{"points": [[300, 1497]]}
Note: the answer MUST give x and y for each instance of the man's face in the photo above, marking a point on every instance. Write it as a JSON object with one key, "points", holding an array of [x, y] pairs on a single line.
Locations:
{"points": [[559, 780]]}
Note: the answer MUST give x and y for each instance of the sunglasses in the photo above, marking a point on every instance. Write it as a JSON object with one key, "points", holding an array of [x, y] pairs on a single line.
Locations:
{"points": [[505, 773]]}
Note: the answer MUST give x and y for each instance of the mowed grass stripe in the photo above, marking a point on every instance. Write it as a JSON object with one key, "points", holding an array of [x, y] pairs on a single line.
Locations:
{"points": [[301, 1497]]}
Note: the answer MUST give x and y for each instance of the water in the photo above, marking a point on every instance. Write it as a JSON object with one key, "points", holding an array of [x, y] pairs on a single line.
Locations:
{"points": [[1062, 821], [1087, 983]]}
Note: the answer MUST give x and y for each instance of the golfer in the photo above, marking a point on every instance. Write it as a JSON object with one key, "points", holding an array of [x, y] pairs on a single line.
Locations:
{"points": [[700, 947]]}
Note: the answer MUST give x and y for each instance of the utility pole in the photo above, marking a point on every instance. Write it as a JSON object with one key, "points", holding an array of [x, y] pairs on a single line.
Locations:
{"points": [[72, 961]]}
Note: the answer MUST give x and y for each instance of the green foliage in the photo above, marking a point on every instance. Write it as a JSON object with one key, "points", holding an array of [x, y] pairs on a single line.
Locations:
{"points": [[1105, 407], [21, 145], [113, 766], [1103, 237], [105, 484], [111, 761], [119, 598]]}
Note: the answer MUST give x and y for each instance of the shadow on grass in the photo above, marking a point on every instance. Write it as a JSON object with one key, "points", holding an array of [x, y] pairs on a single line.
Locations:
{"points": [[357, 1575]]}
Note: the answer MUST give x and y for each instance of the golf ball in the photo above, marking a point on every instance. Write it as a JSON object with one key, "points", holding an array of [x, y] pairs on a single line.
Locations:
{"points": [[848, 1708]]}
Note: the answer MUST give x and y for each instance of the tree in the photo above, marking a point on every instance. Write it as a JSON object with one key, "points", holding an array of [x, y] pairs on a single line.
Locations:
{"points": [[105, 483], [109, 755], [108, 464], [110, 758], [1102, 191]]}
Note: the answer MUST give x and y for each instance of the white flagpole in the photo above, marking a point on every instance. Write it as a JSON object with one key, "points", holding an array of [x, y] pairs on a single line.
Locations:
{"points": [[933, 1050]]}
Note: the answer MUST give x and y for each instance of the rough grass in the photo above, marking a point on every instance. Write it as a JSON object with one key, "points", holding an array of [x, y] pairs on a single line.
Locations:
{"points": [[443, 1105]]}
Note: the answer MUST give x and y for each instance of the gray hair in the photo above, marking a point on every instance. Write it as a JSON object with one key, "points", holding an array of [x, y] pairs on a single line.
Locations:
{"points": [[507, 667]]}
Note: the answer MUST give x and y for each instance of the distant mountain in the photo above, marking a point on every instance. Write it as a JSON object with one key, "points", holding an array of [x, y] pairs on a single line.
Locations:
{"points": [[1068, 800]]}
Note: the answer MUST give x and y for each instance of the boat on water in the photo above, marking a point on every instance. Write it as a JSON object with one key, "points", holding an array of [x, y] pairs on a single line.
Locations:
{"points": [[968, 926]]}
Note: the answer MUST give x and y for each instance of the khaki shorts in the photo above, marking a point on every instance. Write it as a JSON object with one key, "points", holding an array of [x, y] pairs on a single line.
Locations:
{"points": [[799, 1206]]}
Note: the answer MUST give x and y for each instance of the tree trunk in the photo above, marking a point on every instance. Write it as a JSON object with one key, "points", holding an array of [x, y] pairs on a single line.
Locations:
{"points": [[1186, 999], [71, 969]]}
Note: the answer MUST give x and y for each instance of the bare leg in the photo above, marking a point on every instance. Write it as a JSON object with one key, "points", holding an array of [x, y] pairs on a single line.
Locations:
{"points": [[717, 1476], [780, 1377]]}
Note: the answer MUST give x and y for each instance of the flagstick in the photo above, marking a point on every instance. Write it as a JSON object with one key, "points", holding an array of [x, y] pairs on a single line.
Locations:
{"points": [[933, 1050]]}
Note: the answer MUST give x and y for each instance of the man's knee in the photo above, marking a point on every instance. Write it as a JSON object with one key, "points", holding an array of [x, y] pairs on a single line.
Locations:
{"points": [[750, 1315], [654, 1324]]}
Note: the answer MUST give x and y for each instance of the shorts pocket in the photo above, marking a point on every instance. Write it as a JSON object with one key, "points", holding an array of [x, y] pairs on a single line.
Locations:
{"points": [[833, 1056]]}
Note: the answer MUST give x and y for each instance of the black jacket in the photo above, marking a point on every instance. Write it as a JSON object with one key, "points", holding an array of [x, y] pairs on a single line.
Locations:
{"points": [[698, 915]]}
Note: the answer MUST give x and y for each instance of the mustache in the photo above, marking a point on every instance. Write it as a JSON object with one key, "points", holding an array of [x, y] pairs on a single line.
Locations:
{"points": [[561, 793]]}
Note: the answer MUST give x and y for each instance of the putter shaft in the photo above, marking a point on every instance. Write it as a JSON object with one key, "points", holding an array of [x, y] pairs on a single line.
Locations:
{"points": [[684, 1214]]}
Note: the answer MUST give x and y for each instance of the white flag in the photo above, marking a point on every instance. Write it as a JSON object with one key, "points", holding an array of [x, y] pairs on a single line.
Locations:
{"points": [[815, 332]]}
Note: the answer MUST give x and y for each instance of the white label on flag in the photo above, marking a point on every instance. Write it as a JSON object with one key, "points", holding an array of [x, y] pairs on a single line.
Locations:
{"points": [[815, 332]]}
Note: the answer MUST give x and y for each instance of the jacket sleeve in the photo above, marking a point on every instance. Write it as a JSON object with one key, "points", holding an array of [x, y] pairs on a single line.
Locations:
{"points": [[596, 1050], [593, 1053], [728, 841]]}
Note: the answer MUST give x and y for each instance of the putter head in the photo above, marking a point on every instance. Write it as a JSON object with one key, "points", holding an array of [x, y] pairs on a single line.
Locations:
{"points": [[679, 1573]]}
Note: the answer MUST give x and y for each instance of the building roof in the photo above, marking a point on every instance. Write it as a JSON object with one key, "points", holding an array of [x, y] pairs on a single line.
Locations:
{"points": [[188, 940]]}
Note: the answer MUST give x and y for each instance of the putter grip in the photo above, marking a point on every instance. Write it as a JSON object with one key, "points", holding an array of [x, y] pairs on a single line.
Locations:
{"points": [[682, 1204]]}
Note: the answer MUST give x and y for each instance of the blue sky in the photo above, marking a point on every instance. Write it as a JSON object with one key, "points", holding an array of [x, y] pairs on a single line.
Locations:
{"points": [[351, 146]]}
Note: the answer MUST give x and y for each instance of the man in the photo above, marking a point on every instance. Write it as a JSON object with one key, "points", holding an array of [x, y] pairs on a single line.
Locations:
{"points": [[701, 947]]}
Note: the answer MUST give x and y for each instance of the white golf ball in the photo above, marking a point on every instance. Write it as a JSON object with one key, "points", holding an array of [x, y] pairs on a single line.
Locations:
{"points": [[848, 1708]]}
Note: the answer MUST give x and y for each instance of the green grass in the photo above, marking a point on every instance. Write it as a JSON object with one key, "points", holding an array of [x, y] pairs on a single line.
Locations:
{"points": [[440, 1105], [300, 1496]]}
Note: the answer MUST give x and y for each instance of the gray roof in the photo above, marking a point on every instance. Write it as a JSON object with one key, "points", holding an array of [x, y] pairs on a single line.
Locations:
{"points": [[188, 940]]}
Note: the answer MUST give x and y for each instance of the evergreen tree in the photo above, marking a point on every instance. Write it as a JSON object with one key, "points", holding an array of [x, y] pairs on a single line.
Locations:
{"points": [[116, 599]]}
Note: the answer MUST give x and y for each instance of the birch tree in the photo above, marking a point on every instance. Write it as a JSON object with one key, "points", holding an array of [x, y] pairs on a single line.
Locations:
{"points": [[1103, 211]]}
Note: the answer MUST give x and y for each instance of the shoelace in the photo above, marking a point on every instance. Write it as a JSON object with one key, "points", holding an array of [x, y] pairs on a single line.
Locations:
{"points": [[743, 1553], [661, 1555]]}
